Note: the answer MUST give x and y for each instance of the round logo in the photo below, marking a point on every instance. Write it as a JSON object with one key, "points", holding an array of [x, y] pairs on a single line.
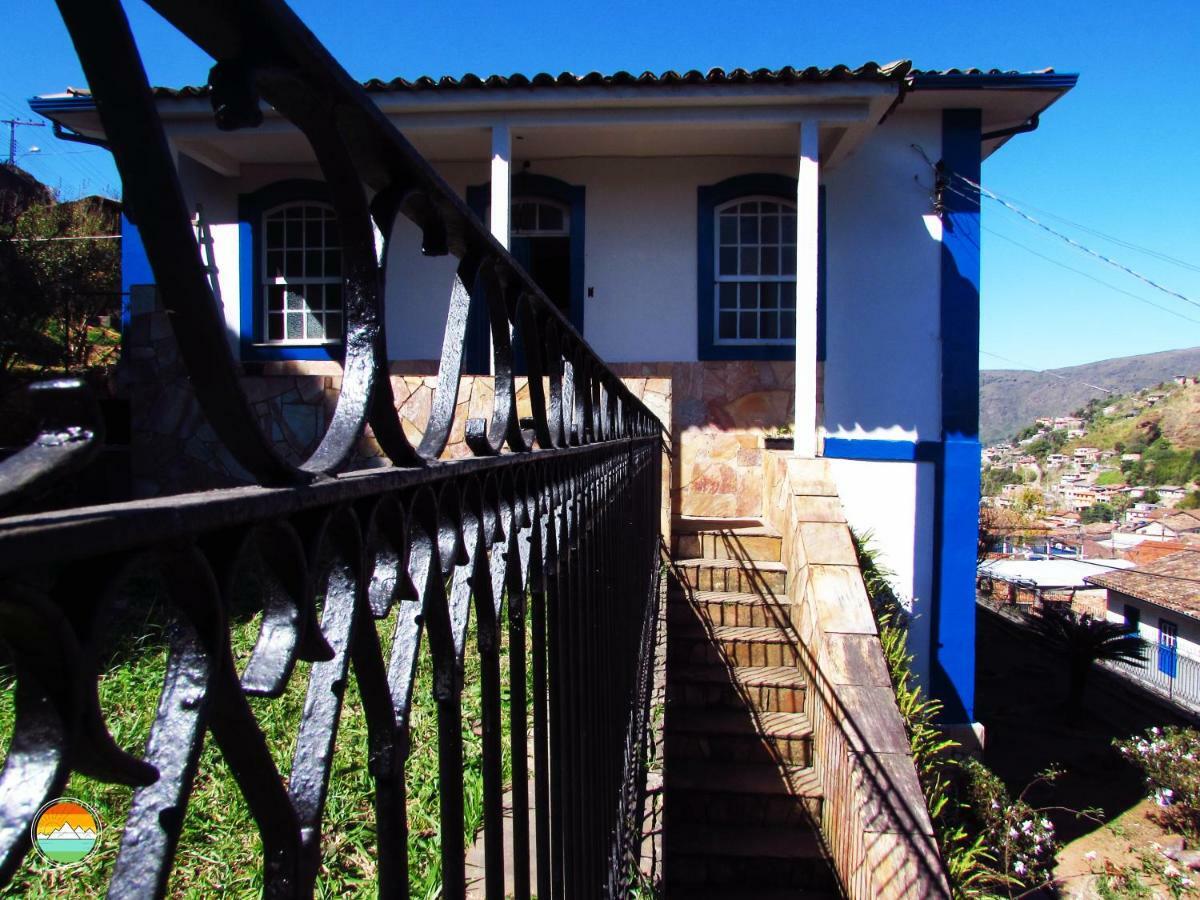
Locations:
{"points": [[65, 831]]}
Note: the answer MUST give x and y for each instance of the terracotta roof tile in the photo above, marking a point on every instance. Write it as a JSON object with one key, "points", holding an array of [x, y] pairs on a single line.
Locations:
{"points": [[901, 71], [1172, 582]]}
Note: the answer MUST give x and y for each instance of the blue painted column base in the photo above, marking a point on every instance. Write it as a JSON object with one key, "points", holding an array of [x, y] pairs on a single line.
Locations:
{"points": [[957, 539]]}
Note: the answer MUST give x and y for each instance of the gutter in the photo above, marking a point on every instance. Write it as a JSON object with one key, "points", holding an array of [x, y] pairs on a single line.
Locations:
{"points": [[66, 134], [998, 81], [1025, 127]]}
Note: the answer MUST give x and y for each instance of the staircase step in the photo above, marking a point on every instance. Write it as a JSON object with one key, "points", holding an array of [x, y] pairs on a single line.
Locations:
{"points": [[742, 793], [752, 841], [733, 736], [745, 856], [725, 607], [742, 539], [738, 645], [730, 575], [763, 688], [743, 778], [729, 892]]}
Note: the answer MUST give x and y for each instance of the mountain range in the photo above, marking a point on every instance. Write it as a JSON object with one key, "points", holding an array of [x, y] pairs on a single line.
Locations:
{"points": [[1010, 399]]}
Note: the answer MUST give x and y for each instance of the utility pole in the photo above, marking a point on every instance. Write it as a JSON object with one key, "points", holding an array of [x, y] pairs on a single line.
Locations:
{"points": [[12, 135]]}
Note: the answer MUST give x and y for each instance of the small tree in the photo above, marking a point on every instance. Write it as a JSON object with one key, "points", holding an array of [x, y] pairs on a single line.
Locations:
{"points": [[1082, 640], [55, 279], [1097, 512]]}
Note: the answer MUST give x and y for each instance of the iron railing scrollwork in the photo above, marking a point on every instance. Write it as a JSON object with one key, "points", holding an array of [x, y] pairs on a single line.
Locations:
{"points": [[544, 545]]}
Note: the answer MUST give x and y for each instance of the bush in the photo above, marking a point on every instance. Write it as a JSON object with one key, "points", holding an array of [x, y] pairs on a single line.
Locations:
{"points": [[1170, 761], [1021, 837], [992, 845], [1097, 512]]}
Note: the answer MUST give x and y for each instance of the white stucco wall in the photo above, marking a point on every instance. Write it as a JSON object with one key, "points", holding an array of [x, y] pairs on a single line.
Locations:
{"points": [[1189, 628], [893, 503], [883, 346], [882, 369], [639, 254]]}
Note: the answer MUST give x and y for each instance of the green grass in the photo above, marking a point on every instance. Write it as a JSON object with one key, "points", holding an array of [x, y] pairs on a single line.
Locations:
{"points": [[219, 850]]}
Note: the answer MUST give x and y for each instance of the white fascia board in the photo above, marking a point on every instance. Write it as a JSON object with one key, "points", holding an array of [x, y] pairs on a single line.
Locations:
{"points": [[842, 113], [498, 100]]}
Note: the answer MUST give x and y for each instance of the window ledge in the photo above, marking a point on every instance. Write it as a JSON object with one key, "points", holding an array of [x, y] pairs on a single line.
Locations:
{"points": [[271, 344]]}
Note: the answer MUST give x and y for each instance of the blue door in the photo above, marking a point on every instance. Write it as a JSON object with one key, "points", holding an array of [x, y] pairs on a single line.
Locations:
{"points": [[1168, 641]]}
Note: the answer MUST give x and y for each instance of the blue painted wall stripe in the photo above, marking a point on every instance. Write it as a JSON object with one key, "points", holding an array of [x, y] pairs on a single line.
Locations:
{"points": [[872, 449], [135, 266], [956, 516]]}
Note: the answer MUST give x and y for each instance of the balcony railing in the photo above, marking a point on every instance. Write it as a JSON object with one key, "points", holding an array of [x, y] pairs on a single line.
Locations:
{"points": [[1167, 673], [542, 548]]}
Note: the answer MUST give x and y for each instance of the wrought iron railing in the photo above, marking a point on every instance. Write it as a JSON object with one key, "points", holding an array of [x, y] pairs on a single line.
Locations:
{"points": [[548, 537], [1166, 672]]}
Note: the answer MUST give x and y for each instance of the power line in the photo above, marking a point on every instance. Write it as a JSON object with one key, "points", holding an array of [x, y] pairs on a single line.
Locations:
{"points": [[1048, 372], [1069, 240], [1100, 281], [82, 237], [13, 124], [1100, 234]]}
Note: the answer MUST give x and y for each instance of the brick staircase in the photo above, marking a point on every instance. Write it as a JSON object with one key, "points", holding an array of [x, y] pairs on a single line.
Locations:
{"points": [[741, 797]]}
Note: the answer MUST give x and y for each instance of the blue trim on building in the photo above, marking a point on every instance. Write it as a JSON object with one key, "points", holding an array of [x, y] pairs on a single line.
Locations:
{"points": [[135, 268], [43, 106], [250, 302], [877, 450], [984, 81], [708, 198], [531, 184], [956, 516]]}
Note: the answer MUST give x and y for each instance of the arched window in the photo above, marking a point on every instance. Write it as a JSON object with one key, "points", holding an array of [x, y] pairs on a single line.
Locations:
{"points": [[746, 268], [301, 273], [539, 218], [754, 289]]}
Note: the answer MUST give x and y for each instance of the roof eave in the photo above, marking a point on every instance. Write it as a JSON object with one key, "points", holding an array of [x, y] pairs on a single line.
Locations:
{"points": [[992, 81]]}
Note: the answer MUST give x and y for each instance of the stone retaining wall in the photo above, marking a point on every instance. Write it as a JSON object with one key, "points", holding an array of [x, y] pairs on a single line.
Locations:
{"points": [[874, 819], [716, 414]]}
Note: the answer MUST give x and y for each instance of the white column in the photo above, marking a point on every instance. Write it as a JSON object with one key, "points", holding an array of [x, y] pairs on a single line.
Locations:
{"points": [[806, 291], [501, 182], [501, 200]]}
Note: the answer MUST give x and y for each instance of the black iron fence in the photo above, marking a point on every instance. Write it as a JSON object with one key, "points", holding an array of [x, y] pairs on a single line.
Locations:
{"points": [[544, 546]]}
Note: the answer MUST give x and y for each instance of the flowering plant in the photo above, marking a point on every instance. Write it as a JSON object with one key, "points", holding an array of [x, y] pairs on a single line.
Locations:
{"points": [[1170, 761], [1022, 837]]}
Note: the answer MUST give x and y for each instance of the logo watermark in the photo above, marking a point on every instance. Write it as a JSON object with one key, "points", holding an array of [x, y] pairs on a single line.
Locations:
{"points": [[66, 831]]}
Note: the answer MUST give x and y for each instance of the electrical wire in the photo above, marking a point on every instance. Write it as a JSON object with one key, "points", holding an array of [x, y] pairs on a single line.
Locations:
{"points": [[1100, 281], [1067, 239], [1129, 245], [81, 237], [1049, 372]]}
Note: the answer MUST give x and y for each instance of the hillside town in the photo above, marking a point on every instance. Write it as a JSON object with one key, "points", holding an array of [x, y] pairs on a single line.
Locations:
{"points": [[1099, 512]]}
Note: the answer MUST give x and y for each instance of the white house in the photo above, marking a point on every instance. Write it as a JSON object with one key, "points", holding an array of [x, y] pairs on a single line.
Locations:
{"points": [[1162, 599], [751, 250], [1171, 523]]}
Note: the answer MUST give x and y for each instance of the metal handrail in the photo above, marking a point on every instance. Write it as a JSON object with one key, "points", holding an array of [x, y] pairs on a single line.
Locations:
{"points": [[548, 536]]}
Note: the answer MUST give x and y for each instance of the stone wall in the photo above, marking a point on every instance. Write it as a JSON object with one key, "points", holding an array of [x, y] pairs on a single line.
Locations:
{"points": [[873, 818], [720, 413], [716, 414]]}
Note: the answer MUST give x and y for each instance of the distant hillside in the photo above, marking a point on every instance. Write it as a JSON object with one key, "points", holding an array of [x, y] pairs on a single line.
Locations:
{"points": [[1010, 399]]}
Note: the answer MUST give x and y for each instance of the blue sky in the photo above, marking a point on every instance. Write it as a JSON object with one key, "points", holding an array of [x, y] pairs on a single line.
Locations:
{"points": [[1117, 155]]}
